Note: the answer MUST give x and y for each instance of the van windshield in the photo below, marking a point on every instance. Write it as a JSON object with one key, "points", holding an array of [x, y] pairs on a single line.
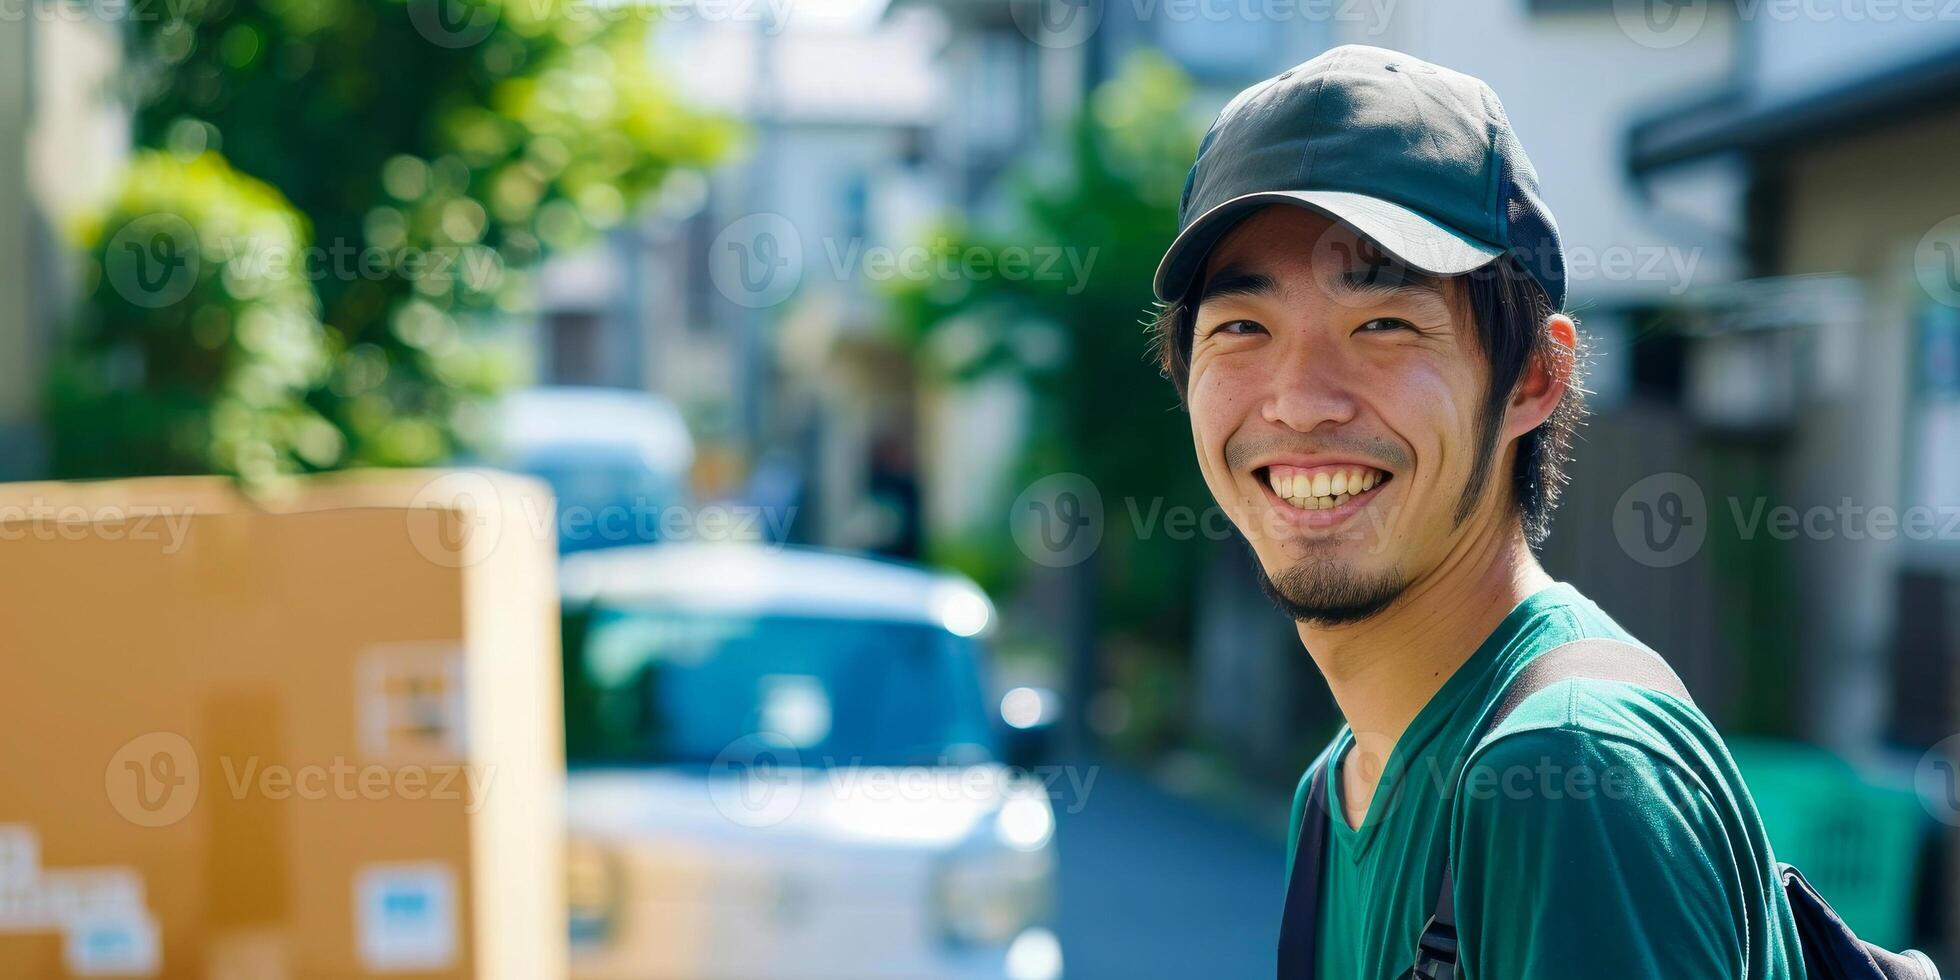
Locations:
{"points": [[661, 686]]}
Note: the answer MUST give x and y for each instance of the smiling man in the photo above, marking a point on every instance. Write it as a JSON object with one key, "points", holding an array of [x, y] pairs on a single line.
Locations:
{"points": [[1361, 314]]}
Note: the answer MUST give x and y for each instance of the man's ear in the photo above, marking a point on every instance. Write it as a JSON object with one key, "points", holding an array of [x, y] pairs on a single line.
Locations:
{"points": [[1545, 379]]}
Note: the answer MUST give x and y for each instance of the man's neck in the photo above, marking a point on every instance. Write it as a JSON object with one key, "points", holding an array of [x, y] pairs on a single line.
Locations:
{"points": [[1383, 670]]}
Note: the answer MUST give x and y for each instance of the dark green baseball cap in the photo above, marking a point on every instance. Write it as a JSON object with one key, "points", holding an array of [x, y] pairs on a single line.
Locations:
{"points": [[1417, 158]]}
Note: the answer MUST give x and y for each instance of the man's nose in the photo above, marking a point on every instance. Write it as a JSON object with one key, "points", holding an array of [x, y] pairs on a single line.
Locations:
{"points": [[1312, 385]]}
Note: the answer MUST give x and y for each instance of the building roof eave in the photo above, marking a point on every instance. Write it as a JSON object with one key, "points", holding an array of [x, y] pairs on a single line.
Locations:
{"points": [[1737, 120]]}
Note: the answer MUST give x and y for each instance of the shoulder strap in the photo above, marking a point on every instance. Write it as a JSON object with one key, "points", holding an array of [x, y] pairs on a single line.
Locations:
{"points": [[1299, 929], [1597, 658]]}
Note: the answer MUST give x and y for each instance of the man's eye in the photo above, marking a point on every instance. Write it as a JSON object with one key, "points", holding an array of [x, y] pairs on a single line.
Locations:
{"points": [[1380, 324], [1239, 327]]}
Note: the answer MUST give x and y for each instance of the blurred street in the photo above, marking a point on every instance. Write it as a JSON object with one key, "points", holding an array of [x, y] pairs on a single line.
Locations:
{"points": [[1154, 885]]}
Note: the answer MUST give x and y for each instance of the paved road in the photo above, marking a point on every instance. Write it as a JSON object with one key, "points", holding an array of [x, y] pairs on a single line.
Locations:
{"points": [[1153, 885]]}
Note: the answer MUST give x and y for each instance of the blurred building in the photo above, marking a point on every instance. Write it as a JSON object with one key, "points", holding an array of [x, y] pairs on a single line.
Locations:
{"points": [[1834, 373], [1846, 133], [749, 295], [64, 139], [17, 339]]}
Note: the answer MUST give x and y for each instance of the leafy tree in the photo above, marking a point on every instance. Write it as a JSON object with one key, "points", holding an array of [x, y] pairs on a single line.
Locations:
{"points": [[439, 149], [189, 353]]}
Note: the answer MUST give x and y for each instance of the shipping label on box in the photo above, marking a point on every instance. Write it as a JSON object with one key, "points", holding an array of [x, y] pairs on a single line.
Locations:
{"points": [[410, 701], [405, 916], [106, 930]]}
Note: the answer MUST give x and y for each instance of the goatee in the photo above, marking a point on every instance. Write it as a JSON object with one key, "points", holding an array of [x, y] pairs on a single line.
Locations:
{"points": [[1328, 593]]}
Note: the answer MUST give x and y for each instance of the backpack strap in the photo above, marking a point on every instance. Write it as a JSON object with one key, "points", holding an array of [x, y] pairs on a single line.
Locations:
{"points": [[1596, 658], [1299, 928]]}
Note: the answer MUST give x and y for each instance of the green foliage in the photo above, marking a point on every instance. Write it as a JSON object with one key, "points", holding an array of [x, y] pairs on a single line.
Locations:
{"points": [[192, 352], [1107, 192], [439, 150]]}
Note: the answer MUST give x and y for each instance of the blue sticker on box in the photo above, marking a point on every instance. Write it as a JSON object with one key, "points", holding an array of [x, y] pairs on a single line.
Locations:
{"points": [[405, 916]]}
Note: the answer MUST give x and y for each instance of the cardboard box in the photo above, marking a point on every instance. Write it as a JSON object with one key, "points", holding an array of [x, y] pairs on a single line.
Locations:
{"points": [[316, 736]]}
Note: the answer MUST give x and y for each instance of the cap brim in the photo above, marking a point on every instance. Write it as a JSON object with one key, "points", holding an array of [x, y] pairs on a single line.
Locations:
{"points": [[1407, 235]]}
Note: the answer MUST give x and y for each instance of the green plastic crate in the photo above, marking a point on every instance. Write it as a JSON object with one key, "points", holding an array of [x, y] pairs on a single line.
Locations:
{"points": [[1859, 839]]}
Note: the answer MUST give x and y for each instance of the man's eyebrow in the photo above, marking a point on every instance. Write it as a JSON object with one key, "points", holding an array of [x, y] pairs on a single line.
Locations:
{"points": [[1234, 281]]}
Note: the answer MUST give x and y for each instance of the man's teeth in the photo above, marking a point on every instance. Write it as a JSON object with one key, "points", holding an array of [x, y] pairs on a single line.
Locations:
{"points": [[1321, 489]]}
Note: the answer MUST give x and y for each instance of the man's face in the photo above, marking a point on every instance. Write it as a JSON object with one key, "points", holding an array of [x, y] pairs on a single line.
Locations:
{"points": [[1335, 398]]}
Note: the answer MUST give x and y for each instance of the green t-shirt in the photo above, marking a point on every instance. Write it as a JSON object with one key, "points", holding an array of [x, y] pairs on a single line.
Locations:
{"points": [[1601, 831]]}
